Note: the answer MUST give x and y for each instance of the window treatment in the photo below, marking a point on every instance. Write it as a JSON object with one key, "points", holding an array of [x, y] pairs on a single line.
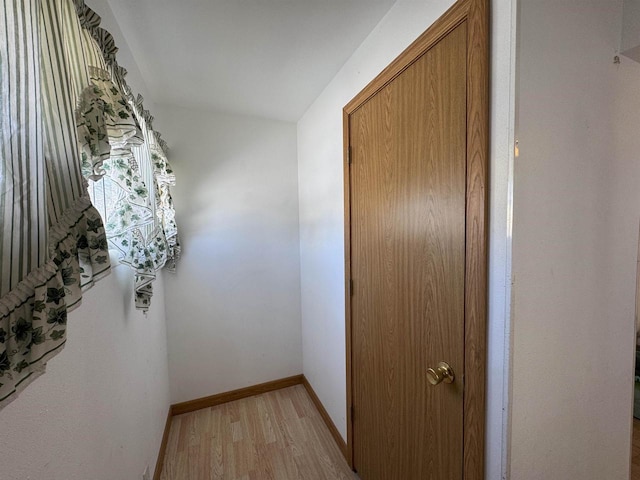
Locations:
{"points": [[70, 126]]}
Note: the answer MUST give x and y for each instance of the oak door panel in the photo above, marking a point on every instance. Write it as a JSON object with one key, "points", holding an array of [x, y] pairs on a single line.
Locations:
{"points": [[407, 200]]}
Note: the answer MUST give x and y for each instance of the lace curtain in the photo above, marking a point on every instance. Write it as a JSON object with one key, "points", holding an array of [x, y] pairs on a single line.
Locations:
{"points": [[71, 131]]}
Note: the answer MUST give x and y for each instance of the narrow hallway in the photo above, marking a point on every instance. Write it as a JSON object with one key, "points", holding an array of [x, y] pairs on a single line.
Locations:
{"points": [[276, 435]]}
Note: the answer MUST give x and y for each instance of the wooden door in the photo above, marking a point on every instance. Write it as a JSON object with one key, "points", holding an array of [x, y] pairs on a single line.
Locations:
{"points": [[417, 269]]}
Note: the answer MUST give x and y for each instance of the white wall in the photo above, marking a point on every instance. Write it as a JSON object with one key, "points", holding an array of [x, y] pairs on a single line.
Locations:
{"points": [[321, 208], [124, 55], [233, 308], [576, 211], [99, 410]]}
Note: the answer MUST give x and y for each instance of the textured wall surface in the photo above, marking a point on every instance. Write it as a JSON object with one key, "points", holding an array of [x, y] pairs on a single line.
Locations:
{"points": [[233, 308], [576, 211], [99, 411]]}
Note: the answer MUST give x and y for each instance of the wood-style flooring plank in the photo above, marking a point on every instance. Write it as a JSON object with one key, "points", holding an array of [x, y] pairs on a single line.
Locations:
{"points": [[277, 435], [635, 451]]}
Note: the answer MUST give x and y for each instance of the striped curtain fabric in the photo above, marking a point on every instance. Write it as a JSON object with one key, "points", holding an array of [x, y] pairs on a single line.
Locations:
{"points": [[69, 125]]}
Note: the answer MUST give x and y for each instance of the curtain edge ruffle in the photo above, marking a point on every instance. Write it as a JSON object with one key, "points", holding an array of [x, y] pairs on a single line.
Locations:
{"points": [[33, 315], [39, 369]]}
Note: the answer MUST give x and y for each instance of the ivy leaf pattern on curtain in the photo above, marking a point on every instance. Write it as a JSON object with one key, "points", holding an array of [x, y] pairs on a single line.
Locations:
{"points": [[53, 243], [165, 211], [131, 194], [105, 122], [68, 116]]}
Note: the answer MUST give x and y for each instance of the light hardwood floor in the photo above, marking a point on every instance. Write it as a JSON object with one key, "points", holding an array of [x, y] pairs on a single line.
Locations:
{"points": [[278, 435], [635, 452]]}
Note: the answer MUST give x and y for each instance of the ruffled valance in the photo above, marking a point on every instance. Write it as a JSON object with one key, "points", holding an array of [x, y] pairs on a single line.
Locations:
{"points": [[165, 210], [132, 194], [68, 116], [33, 316], [52, 240], [135, 166], [104, 121]]}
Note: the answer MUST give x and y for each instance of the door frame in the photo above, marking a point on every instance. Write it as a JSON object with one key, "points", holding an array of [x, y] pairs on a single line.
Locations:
{"points": [[476, 14]]}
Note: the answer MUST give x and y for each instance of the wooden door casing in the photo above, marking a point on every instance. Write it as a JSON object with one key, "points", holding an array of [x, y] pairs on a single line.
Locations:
{"points": [[474, 15]]}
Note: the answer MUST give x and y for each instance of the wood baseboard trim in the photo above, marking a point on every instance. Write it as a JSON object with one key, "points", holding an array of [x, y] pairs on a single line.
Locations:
{"points": [[163, 446], [225, 397], [342, 445]]}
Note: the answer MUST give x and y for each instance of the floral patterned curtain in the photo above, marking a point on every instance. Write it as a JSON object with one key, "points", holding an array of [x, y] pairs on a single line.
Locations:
{"points": [[70, 126]]}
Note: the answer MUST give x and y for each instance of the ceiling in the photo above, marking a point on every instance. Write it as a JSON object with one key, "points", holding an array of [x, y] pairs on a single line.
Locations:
{"points": [[269, 58]]}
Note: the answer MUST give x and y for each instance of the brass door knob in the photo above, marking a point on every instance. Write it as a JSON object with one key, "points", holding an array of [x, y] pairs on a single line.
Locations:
{"points": [[443, 373]]}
